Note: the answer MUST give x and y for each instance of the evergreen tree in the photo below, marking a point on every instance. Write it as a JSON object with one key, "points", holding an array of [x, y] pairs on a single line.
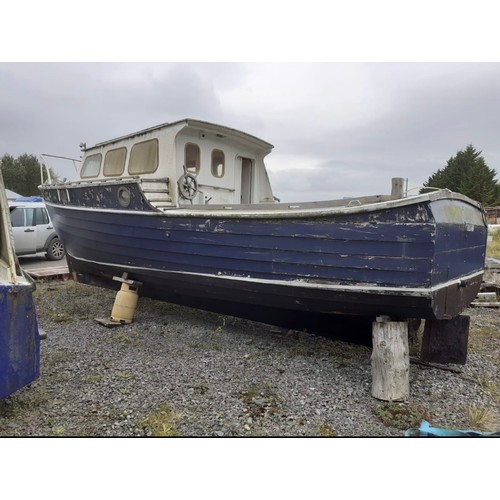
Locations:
{"points": [[22, 174], [467, 173]]}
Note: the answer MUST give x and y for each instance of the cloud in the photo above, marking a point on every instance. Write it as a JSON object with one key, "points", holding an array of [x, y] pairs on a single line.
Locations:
{"points": [[341, 128]]}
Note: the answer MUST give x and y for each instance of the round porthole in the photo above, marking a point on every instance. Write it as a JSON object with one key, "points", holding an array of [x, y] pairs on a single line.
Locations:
{"points": [[124, 197]]}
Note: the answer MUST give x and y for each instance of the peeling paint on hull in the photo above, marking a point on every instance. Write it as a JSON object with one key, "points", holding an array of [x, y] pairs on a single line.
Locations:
{"points": [[421, 258], [19, 338]]}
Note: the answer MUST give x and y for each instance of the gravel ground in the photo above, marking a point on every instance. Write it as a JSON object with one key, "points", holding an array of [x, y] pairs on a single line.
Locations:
{"points": [[177, 371]]}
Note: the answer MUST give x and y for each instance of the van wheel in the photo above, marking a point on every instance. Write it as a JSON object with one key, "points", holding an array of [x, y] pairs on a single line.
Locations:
{"points": [[55, 250]]}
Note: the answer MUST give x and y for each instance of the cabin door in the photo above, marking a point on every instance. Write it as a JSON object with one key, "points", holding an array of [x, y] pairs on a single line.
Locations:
{"points": [[246, 180]]}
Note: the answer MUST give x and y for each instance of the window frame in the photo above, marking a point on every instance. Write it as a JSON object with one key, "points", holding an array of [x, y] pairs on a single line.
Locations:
{"points": [[133, 151], [86, 162], [123, 166], [196, 169], [212, 164]]}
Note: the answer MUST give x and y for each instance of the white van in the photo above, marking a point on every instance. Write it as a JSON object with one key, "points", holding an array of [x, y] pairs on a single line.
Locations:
{"points": [[33, 230]]}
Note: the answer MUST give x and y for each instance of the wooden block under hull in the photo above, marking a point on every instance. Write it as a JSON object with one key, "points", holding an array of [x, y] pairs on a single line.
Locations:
{"points": [[445, 341]]}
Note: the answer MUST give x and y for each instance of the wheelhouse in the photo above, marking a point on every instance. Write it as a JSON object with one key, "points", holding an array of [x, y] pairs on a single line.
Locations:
{"points": [[199, 162]]}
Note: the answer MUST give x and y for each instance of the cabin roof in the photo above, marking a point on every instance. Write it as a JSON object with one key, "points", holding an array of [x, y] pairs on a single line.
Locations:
{"points": [[198, 124]]}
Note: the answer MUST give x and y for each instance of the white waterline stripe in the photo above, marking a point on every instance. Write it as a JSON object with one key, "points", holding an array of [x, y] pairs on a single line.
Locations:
{"points": [[300, 283]]}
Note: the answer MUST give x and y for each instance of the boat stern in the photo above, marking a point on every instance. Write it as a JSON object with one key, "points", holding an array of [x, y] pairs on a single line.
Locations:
{"points": [[19, 338], [460, 253], [19, 335]]}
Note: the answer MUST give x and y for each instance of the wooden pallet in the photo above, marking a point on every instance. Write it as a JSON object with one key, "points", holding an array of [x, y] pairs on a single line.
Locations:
{"points": [[49, 272]]}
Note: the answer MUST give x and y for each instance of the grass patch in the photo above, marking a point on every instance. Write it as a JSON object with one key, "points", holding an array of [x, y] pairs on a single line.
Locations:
{"points": [[259, 400], [482, 337], [493, 246], [217, 331], [479, 418], [23, 402], [59, 317], [326, 431], [155, 306], [161, 423], [487, 386], [123, 374], [340, 351], [130, 335], [352, 351], [76, 301], [401, 415], [201, 388], [58, 357], [303, 350]]}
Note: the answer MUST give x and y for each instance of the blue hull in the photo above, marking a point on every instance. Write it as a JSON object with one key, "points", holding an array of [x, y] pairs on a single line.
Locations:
{"points": [[19, 338], [407, 259]]}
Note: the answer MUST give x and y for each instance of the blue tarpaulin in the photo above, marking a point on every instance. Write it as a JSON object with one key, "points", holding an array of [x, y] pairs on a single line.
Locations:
{"points": [[29, 198], [426, 430]]}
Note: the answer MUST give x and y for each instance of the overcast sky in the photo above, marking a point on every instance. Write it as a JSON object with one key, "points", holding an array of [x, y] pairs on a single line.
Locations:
{"points": [[339, 129]]}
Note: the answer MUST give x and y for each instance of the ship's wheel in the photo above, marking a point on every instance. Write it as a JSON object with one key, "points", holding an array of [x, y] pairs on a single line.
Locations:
{"points": [[188, 186]]}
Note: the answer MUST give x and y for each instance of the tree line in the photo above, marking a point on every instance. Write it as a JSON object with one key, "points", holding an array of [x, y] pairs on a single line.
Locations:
{"points": [[466, 173], [23, 174]]}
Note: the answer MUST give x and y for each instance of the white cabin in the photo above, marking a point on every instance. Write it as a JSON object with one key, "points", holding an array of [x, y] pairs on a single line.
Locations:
{"points": [[227, 165]]}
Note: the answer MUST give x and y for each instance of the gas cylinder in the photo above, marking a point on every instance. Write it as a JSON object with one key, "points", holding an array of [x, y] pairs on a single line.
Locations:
{"points": [[125, 304]]}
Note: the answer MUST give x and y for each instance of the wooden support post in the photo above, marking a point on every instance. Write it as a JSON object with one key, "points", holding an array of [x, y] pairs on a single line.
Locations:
{"points": [[390, 360], [445, 341]]}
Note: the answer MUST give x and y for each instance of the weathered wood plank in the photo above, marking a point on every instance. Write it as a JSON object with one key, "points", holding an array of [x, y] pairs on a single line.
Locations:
{"points": [[445, 341], [49, 272], [490, 305], [486, 297]]}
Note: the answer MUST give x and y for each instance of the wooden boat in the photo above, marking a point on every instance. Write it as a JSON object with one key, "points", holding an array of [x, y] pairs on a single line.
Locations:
{"points": [[187, 209], [19, 335]]}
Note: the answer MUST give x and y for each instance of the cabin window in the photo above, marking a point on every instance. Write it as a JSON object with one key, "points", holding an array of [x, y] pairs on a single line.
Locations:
{"points": [[192, 158], [91, 166], [114, 162], [218, 163], [143, 158]]}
